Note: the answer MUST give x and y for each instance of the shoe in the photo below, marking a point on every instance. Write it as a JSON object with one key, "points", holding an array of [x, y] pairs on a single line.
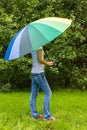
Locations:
{"points": [[51, 119], [40, 117]]}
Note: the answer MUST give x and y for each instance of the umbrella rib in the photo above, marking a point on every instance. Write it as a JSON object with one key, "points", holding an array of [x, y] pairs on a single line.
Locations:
{"points": [[23, 48], [39, 32], [53, 27], [47, 26], [48, 36]]}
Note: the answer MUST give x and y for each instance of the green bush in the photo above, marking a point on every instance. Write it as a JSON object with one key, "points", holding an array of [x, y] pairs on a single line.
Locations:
{"points": [[6, 88], [17, 72], [69, 51]]}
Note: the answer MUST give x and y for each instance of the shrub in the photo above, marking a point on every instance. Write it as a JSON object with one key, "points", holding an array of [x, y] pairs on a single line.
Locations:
{"points": [[6, 88]]}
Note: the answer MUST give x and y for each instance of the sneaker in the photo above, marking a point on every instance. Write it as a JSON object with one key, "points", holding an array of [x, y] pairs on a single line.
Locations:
{"points": [[40, 117], [51, 119]]}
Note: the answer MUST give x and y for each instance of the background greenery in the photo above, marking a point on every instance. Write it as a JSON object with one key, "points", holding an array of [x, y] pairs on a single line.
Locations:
{"points": [[69, 51]]}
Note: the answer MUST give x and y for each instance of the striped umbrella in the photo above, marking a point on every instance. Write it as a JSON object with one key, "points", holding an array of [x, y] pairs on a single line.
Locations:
{"points": [[35, 35]]}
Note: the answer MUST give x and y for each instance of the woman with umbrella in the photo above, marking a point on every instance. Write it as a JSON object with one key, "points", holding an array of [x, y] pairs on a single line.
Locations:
{"points": [[28, 40], [39, 80]]}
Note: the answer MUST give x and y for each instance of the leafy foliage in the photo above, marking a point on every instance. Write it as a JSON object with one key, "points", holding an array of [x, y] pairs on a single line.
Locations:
{"points": [[5, 88], [69, 51]]}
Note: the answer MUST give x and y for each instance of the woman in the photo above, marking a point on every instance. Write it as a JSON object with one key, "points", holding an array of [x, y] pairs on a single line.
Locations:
{"points": [[39, 80]]}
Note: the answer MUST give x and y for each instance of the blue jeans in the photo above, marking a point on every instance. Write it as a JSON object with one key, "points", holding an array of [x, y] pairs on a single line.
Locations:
{"points": [[39, 80]]}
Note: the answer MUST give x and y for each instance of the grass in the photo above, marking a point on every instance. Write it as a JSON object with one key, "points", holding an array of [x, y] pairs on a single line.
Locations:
{"points": [[69, 108]]}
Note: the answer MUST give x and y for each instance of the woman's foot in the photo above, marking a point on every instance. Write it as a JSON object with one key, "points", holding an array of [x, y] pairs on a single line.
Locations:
{"points": [[51, 119], [39, 117]]}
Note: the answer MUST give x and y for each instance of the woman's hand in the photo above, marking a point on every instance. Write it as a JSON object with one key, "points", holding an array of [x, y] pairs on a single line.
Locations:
{"points": [[50, 63]]}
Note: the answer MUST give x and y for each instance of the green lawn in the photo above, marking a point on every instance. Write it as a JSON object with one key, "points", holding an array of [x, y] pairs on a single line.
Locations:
{"points": [[69, 108]]}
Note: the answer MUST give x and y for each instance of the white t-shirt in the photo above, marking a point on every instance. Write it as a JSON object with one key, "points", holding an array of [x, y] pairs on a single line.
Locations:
{"points": [[36, 66]]}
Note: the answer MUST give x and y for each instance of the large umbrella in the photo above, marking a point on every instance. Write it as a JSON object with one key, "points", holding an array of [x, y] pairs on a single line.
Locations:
{"points": [[35, 35]]}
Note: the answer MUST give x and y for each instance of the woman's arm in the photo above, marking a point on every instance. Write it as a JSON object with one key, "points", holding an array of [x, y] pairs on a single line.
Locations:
{"points": [[41, 60]]}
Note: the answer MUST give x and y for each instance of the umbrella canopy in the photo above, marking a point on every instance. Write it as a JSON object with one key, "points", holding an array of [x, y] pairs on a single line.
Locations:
{"points": [[35, 35]]}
